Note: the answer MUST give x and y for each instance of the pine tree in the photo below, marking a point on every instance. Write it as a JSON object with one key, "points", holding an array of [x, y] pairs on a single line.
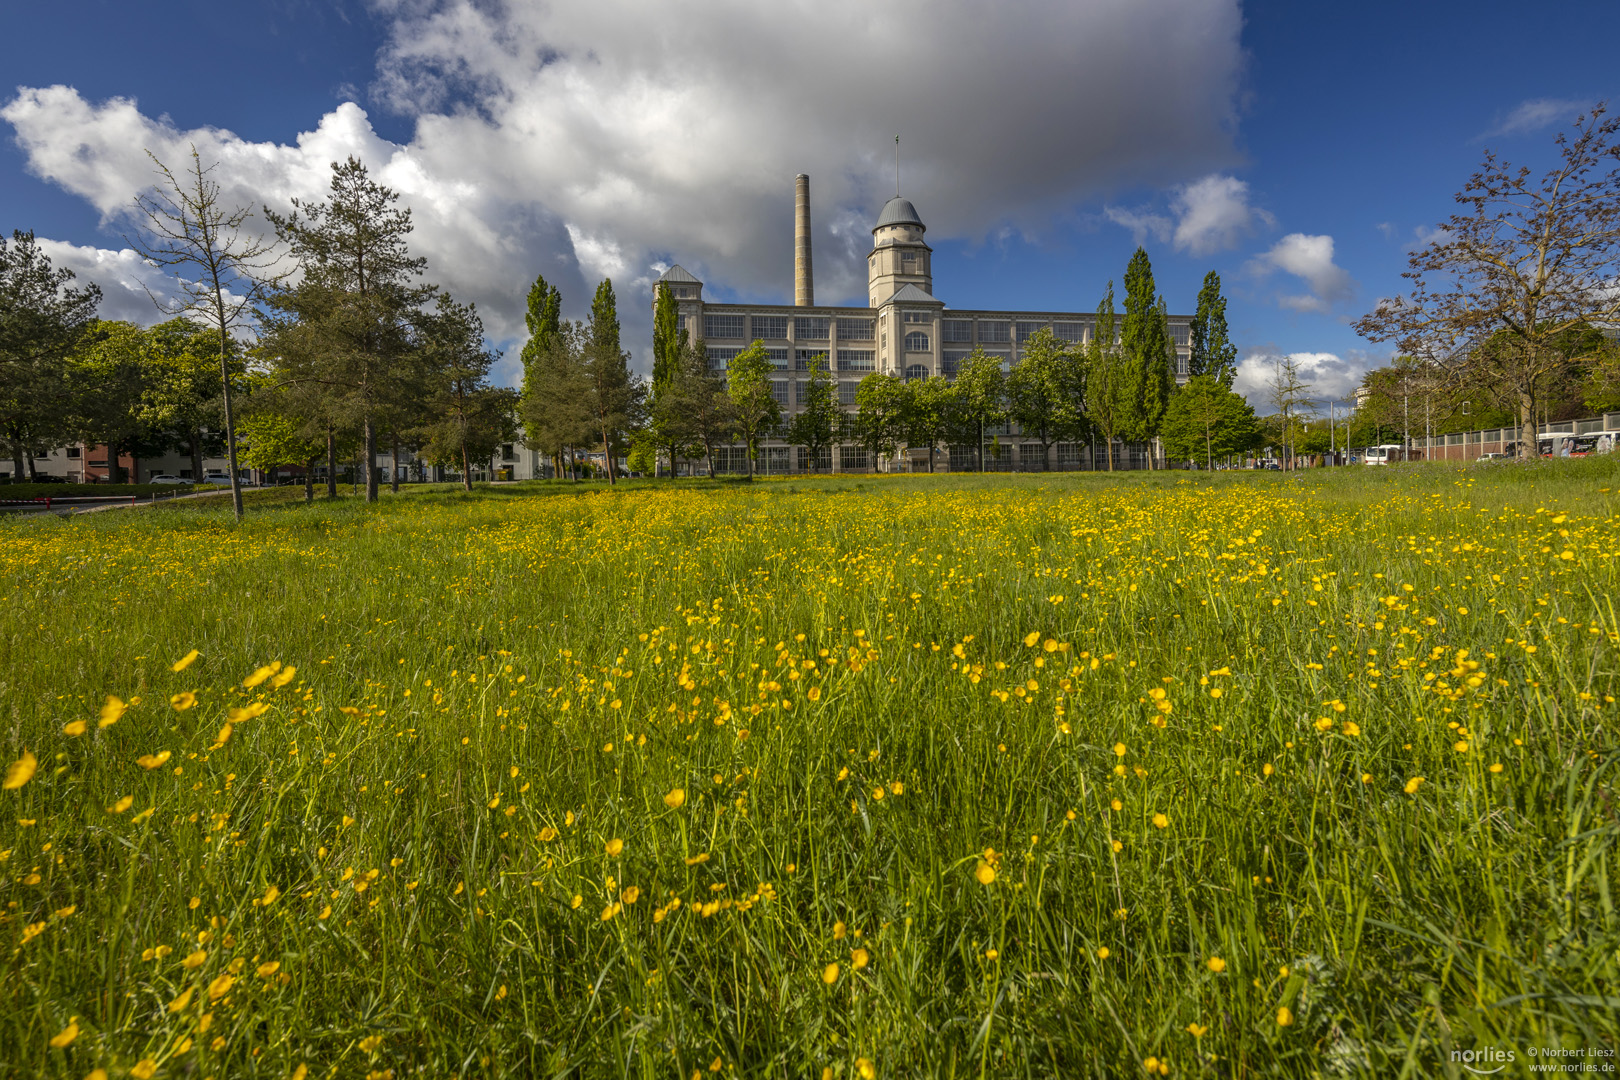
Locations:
{"points": [[1212, 353], [347, 323], [470, 417]]}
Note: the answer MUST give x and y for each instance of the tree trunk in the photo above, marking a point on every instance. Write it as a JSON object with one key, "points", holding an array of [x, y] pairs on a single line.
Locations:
{"points": [[393, 466], [981, 444], [196, 455], [371, 461], [748, 452], [309, 480], [331, 462], [466, 469], [1108, 445], [230, 419], [17, 466], [607, 454], [930, 459], [1529, 444]]}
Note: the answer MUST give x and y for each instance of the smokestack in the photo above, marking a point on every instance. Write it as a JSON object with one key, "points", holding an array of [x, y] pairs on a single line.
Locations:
{"points": [[804, 284]]}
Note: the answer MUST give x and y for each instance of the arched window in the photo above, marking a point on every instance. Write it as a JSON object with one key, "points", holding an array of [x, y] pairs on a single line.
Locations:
{"points": [[916, 371], [916, 341]]}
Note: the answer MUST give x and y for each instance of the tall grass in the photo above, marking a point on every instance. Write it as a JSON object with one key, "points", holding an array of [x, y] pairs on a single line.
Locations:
{"points": [[1059, 776]]}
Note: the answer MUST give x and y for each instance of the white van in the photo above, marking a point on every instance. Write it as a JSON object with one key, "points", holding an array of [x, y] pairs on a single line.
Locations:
{"points": [[1383, 455]]}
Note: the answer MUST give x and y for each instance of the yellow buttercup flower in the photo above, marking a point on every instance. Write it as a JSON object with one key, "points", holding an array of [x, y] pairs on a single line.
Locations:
{"points": [[1032, 638], [1217, 965], [180, 1002], [185, 661], [1413, 784], [75, 728], [283, 677], [183, 700], [614, 846], [20, 772], [195, 960], [111, 711], [259, 675], [267, 970], [675, 798], [829, 974], [985, 873], [153, 761], [66, 1036]]}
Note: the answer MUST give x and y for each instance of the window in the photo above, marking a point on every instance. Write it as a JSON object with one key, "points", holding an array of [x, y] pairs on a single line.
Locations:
{"points": [[770, 327], [42, 454], [810, 359], [779, 358], [1072, 332], [917, 316], [74, 451], [957, 330], [682, 292], [993, 332], [722, 326], [846, 392], [810, 328], [779, 392], [855, 329], [953, 363], [852, 458], [1181, 363], [857, 360], [1181, 333], [1027, 330], [916, 341], [915, 372], [720, 356], [508, 452]]}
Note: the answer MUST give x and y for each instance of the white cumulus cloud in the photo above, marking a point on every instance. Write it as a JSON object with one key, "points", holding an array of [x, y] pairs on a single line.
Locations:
{"points": [[1208, 215], [576, 140], [1529, 117], [1329, 376], [1309, 258]]}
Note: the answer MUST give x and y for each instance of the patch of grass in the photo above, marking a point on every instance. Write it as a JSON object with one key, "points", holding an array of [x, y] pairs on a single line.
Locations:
{"points": [[1063, 774]]}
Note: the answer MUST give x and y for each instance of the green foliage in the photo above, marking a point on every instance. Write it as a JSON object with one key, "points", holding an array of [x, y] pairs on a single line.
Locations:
{"points": [[818, 420], [1110, 380], [1212, 353], [1206, 422], [42, 320], [669, 337], [880, 419], [981, 395], [755, 409], [469, 418], [1045, 392], [615, 399]]}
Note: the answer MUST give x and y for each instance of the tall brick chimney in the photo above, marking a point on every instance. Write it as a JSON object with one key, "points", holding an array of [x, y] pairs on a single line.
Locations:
{"points": [[804, 285]]}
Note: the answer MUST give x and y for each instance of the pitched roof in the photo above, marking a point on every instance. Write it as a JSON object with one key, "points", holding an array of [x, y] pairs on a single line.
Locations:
{"points": [[676, 273], [911, 294]]}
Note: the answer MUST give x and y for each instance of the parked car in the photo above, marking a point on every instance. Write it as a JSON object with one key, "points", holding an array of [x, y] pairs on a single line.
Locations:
{"points": [[219, 479], [1494, 457], [165, 478]]}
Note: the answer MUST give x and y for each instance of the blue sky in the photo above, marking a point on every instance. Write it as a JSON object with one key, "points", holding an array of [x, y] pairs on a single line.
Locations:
{"points": [[1299, 149]]}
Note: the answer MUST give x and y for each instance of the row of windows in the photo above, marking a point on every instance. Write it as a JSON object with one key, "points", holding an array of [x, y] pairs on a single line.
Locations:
{"points": [[775, 328]]}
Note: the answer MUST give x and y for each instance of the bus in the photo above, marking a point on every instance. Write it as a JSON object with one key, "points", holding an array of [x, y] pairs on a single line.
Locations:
{"points": [[1565, 445], [1383, 455]]}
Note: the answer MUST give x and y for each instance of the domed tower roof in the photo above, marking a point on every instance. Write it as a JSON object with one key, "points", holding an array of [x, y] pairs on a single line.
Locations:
{"points": [[898, 211]]}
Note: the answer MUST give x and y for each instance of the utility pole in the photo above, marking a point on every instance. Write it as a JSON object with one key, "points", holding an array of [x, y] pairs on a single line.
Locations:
{"points": [[1333, 444]]}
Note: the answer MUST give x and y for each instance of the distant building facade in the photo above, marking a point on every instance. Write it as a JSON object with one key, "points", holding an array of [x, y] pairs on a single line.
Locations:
{"points": [[905, 331]]}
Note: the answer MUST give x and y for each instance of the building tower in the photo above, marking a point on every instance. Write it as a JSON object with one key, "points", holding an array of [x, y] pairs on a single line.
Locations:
{"points": [[899, 256]]}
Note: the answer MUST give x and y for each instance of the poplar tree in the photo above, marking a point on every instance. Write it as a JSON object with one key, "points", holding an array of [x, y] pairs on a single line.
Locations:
{"points": [[615, 398], [1144, 336], [1212, 353], [669, 337], [1109, 385]]}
